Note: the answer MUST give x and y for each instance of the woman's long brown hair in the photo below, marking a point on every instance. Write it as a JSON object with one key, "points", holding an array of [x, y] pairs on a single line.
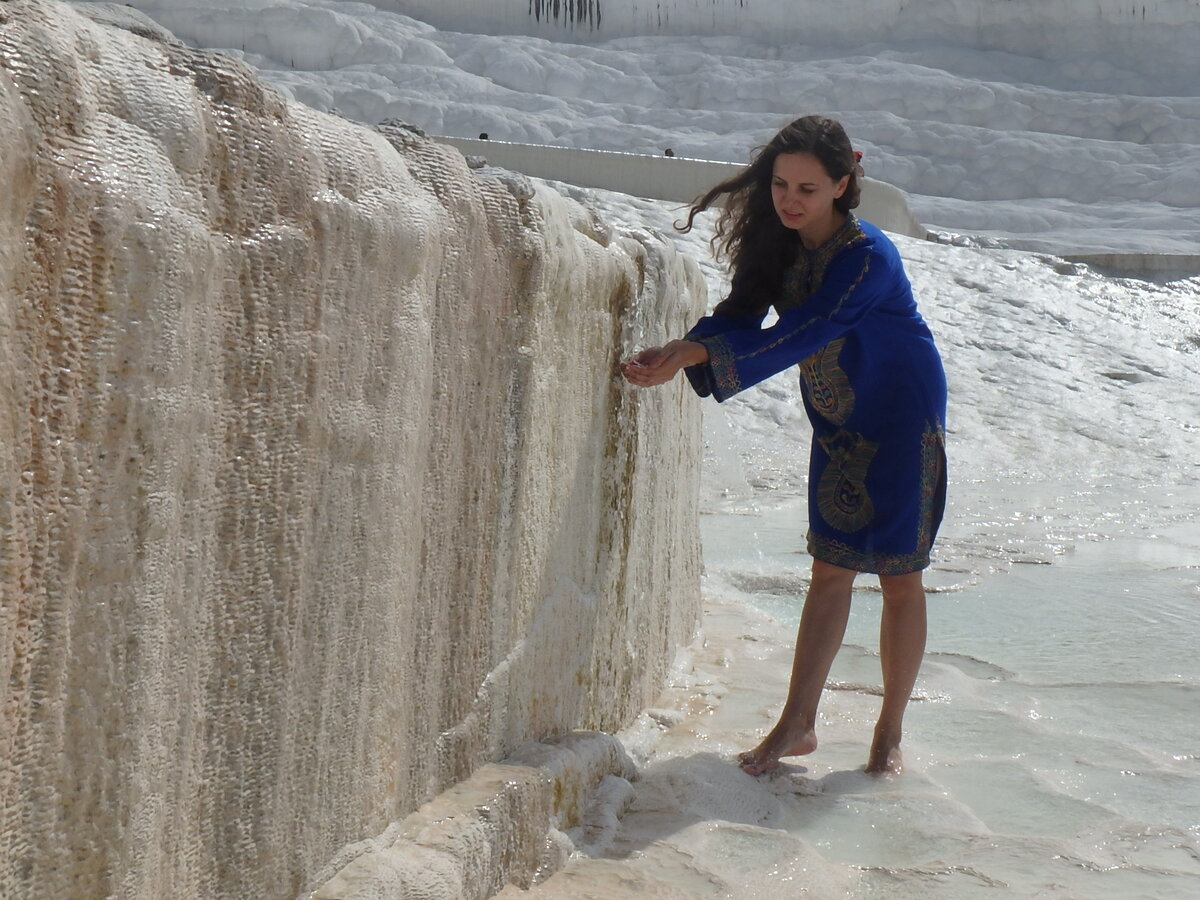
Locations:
{"points": [[749, 233]]}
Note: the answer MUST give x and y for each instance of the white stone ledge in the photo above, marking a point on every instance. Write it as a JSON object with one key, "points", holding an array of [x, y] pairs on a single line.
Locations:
{"points": [[502, 825], [661, 177]]}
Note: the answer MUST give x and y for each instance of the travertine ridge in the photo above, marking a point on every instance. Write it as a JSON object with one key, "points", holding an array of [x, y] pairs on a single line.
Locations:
{"points": [[318, 492]]}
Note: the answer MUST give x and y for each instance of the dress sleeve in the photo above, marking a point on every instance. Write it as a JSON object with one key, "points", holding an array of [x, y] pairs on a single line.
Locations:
{"points": [[734, 313], [741, 354]]}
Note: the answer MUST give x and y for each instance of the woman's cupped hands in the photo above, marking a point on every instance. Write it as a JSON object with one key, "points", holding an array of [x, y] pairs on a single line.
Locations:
{"points": [[658, 365]]}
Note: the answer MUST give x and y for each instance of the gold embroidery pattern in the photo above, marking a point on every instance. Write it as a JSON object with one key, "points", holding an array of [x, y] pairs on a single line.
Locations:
{"points": [[726, 379], [933, 482], [826, 385], [933, 468], [807, 273], [842, 492], [840, 554], [798, 283]]}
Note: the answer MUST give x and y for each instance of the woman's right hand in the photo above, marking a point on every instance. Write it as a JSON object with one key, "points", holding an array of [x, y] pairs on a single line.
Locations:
{"points": [[658, 365]]}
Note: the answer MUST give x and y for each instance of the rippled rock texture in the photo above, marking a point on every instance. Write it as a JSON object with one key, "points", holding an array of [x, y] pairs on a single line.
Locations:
{"points": [[317, 489]]}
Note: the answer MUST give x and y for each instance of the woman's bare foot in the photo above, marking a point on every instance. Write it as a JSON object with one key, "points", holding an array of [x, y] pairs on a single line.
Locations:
{"points": [[782, 741], [885, 756]]}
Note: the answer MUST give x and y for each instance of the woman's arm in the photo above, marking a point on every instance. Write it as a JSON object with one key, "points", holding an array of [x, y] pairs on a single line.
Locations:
{"points": [[855, 283]]}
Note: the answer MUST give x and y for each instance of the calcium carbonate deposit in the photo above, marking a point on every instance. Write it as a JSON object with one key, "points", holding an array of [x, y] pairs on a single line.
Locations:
{"points": [[318, 497], [1063, 126], [318, 494]]}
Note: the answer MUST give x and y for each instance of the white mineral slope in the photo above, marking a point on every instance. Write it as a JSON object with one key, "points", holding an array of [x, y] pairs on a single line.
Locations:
{"points": [[1153, 38], [1062, 127], [317, 489]]}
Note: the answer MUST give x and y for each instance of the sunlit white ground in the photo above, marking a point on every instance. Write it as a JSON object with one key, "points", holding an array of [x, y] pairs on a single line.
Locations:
{"points": [[1052, 747]]}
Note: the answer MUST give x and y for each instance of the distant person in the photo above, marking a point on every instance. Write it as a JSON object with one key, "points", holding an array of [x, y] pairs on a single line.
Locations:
{"points": [[668, 152], [873, 388]]}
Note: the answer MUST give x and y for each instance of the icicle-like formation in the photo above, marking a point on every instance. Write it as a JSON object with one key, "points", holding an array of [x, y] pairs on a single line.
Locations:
{"points": [[570, 13], [318, 488]]}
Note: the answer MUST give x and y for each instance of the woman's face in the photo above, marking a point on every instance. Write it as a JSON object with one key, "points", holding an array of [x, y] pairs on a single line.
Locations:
{"points": [[804, 193]]}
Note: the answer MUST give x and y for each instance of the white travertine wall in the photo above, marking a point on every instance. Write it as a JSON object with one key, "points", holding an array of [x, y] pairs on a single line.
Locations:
{"points": [[318, 491]]}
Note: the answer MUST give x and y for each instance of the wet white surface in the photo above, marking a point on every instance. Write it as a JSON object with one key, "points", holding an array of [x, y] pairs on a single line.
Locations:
{"points": [[1051, 746]]}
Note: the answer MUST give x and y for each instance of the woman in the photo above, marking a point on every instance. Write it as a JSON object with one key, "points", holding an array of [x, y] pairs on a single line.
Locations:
{"points": [[874, 390]]}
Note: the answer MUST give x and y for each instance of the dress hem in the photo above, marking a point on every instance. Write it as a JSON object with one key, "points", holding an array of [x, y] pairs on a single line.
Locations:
{"points": [[837, 553]]}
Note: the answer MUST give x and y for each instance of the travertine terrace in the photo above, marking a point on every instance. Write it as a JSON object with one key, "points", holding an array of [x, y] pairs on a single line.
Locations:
{"points": [[318, 492]]}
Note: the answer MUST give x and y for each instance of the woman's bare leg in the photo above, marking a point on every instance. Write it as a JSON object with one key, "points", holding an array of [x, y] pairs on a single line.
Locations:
{"points": [[901, 647], [822, 626]]}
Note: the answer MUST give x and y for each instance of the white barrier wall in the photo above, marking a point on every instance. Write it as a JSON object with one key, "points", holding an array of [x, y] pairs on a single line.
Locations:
{"points": [[661, 178], [319, 492]]}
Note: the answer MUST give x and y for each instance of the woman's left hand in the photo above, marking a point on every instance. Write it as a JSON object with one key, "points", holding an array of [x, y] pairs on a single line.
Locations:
{"points": [[658, 365]]}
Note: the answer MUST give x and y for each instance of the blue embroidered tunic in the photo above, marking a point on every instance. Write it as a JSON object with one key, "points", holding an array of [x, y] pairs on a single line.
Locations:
{"points": [[873, 387]]}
